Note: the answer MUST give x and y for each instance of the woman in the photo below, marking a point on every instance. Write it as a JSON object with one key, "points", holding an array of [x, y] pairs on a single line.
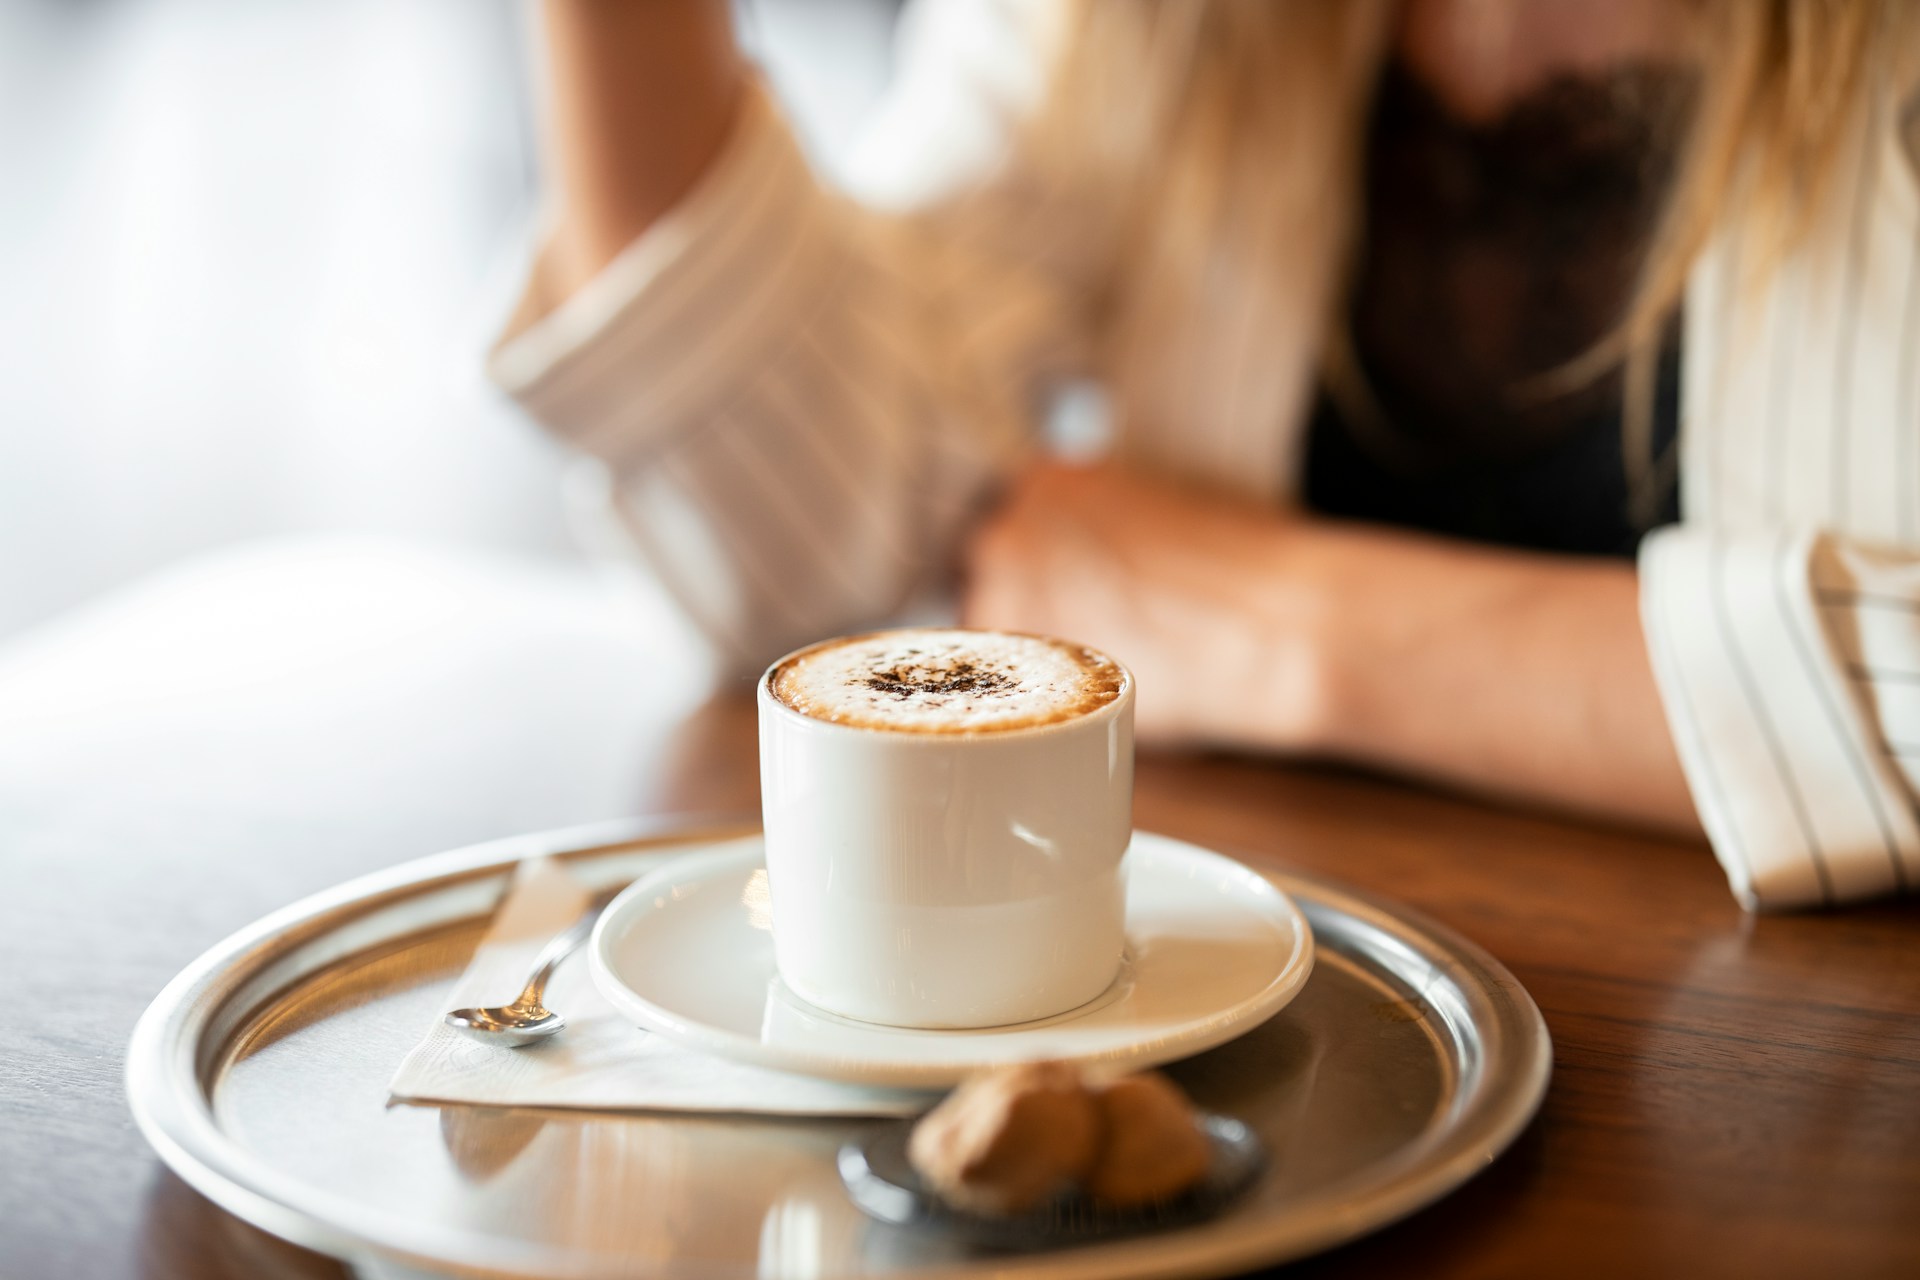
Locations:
{"points": [[1418, 267]]}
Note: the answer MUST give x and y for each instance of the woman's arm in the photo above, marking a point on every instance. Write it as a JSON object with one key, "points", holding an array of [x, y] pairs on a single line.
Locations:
{"points": [[1506, 672], [639, 102], [1512, 674], [798, 398]]}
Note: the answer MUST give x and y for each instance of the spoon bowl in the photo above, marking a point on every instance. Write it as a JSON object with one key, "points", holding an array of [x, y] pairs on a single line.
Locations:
{"points": [[507, 1024]]}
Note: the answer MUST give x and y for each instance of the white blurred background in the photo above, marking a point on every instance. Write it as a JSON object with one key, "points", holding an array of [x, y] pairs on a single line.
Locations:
{"points": [[250, 254]]}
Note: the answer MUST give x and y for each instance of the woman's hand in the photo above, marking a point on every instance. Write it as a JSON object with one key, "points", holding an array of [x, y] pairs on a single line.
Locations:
{"points": [[1190, 590], [1519, 674]]}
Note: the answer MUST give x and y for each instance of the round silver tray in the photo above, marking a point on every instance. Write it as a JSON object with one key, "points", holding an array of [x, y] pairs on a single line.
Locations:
{"points": [[1409, 1061]]}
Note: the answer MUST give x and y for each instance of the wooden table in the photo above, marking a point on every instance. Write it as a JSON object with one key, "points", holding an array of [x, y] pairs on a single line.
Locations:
{"points": [[1731, 1095]]}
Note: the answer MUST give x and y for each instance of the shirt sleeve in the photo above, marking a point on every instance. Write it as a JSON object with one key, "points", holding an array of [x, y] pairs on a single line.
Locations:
{"points": [[1789, 665], [799, 395], [1783, 618]]}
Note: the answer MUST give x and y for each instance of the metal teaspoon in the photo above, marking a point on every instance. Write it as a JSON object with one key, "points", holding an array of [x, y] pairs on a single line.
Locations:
{"points": [[526, 1019]]}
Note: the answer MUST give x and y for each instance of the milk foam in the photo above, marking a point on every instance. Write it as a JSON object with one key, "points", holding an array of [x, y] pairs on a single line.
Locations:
{"points": [[947, 681]]}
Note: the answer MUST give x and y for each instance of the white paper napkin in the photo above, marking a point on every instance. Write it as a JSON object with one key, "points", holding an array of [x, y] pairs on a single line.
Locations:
{"points": [[600, 1061]]}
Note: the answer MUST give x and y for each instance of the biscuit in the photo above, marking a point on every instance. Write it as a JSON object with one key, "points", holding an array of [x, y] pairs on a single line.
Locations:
{"points": [[1008, 1140], [1151, 1149]]}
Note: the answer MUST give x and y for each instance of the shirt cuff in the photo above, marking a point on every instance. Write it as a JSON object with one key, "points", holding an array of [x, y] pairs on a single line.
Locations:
{"points": [[1788, 769], [660, 335]]}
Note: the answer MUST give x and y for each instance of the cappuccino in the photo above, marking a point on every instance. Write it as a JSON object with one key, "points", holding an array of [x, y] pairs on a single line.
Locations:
{"points": [[946, 680], [947, 816]]}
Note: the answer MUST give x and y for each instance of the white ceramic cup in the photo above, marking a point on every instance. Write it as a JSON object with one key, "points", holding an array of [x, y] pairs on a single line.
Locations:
{"points": [[947, 879]]}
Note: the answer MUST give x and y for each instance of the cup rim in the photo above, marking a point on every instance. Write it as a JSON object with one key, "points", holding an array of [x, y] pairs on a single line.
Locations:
{"points": [[764, 694]]}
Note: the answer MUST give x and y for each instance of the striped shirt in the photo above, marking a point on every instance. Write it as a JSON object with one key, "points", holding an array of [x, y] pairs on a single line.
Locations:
{"points": [[801, 395]]}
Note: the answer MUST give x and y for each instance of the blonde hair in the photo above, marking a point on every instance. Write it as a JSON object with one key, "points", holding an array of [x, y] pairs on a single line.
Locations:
{"points": [[1213, 94]]}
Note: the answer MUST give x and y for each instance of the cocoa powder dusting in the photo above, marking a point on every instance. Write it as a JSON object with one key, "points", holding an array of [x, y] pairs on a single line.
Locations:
{"points": [[963, 676]]}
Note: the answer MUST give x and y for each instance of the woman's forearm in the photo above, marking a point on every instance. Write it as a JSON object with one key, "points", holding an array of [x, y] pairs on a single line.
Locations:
{"points": [[641, 97], [1503, 672], [1508, 673]]}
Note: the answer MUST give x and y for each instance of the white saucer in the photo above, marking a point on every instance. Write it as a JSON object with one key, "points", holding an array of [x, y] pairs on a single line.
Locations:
{"points": [[1213, 950]]}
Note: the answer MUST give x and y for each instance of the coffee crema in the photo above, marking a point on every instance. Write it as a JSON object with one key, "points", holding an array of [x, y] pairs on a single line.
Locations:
{"points": [[946, 680]]}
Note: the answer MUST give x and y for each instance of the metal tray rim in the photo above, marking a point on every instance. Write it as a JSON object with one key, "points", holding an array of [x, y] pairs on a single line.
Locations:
{"points": [[165, 1088]]}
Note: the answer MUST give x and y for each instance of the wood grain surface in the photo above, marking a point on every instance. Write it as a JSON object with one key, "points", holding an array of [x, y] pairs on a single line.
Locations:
{"points": [[1731, 1095]]}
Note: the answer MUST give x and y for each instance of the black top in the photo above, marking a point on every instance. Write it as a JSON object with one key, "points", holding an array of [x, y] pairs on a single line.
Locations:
{"points": [[1492, 254]]}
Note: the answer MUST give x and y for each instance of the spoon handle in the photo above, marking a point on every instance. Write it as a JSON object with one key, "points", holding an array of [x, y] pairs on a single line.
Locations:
{"points": [[562, 946]]}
